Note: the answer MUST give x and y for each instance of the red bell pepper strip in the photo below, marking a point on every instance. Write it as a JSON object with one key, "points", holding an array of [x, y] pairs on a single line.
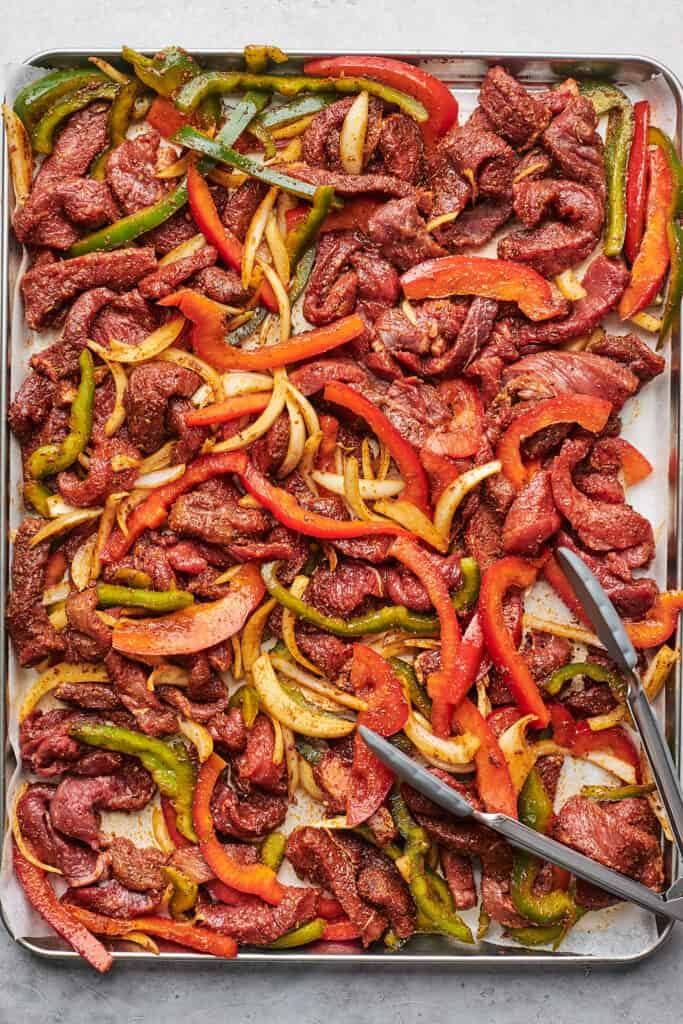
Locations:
{"points": [[373, 678], [552, 570], [492, 279], [204, 940], [197, 627], [353, 216], [439, 684], [434, 95], [208, 337], [165, 117], [589, 412], [253, 878], [55, 569], [168, 811], [652, 260], [659, 623], [42, 898], [226, 894], [329, 908], [340, 931], [208, 221], [634, 465], [462, 678], [330, 429], [498, 579], [493, 775], [636, 181], [464, 432], [563, 725], [402, 452], [579, 738], [232, 409]]}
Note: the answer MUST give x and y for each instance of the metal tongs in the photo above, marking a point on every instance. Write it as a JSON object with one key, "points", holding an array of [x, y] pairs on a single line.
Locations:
{"points": [[611, 632]]}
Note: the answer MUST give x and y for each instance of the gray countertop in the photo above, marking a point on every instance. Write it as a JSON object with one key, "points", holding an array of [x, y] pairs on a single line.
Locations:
{"points": [[34, 991]]}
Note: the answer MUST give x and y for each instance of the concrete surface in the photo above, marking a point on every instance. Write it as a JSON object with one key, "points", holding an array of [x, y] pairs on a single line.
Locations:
{"points": [[35, 992]]}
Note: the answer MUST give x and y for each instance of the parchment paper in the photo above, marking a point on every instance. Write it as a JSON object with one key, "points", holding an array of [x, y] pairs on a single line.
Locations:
{"points": [[619, 931]]}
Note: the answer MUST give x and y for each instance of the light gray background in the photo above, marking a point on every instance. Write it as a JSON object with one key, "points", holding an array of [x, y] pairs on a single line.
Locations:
{"points": [[34, 991]]}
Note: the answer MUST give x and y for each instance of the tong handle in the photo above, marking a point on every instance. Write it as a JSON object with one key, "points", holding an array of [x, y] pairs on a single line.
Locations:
{"points": [[659, 756], [612, 881]]}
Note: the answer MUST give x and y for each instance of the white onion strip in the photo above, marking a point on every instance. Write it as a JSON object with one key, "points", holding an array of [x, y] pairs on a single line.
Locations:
{"points": [[149, 348], [451, 496], [264, 421], [297, 439], [352, 135], [254, 235], [370, 490]]}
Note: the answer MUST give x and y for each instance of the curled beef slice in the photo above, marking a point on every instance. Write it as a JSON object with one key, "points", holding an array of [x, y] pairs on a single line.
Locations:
{"points": [[114, 900], [242, 206], [558, 243], [472, 335], [212, 513], [33, 635], [401, 147], [51, 216], [255, 766], [400, 232], [350, 184], [87, 637], [30, 406], [633, 353], [512, 111], [131, 683], [167, 278], [136, 867], [255, 923], [128, 318], [249, 817], [532, 518], [320, 142], [48, 286], [220, 285], [340, 592], [545, 374], [333, 285], [101, 478], [79, 864], [150, 387], [475, 226], [61, 358], [576, 147], [75, 806], [483, 159], [131, 172], [632, 597]]}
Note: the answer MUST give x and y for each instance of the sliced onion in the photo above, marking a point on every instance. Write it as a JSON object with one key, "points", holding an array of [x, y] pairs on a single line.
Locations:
{"points": [[278, 741], [370, 490], [57, 616], [56, 593], [307, 464], [583, 342], [160, 832], [188, 248], [352, 135], [254, 235], [265, 421], [109, 70], [517, 750], [278, 249], [159, 477], [117, 416], [290, 153], [564, 629], [444, 218], [20, 155], [228, 179], [409, 312], [308, 783], [62, 524], [81, 565], [384, 461], [291, 761], [142, 940], [56, 506], [654, 799], [292, 130], [159, 459], [647, 322], [307, 410], [192, 362], [237, 666], [450, 754], [413, 519], [659, 669], [23, 846], [198, 736], [609, 763], [226, 576], [125, 507], [283, 303], [168, 675], [570, 286], [451, 497], [175, 170], [599, 722], [202, 396], [121, 462], [253, 632], [352, 492], [297, 439], [484, 705], [305, 719], [149, 348], [243, 382], [317, 685], [297, 589], [55, 676]]}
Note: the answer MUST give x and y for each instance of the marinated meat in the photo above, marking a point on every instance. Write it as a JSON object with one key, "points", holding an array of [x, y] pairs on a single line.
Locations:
{"points": [[460, 878], [137, 868], [131, 172], [471, 337], [255, 923], [545, 374], [114, 900], [167, 278], [400, 232], [255, 767], [544, 653], [79, 864], [128, 318], [212, 514], [475, 226], [33, 635], [242, 206], [88, 636], [50, 216], [576, 147], [61, 358], [48, 749], [75, 806], [532, 518], [631, 597], [482, 158], [220, 285], [131, 683], [349, 184], [320, 142], [312, 377], [401, 147], [560, 243], [332, 289], [101, 479], [251, 817], [31, 406], [46, 287], [90, 696], [150, 387], [514, 112], [341, 591], [630, 351]]}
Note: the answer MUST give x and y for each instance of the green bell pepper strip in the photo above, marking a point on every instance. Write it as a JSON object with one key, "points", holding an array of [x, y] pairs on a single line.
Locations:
{"points": [[302, 274], [222, 82], [539, 935], [308, 750], [395, 616], [242, 115], [556, 680], [535, 810], [256, 57], [301, 936], [218, 151], [418, 695], [607, 99], [466, 595], [484, 923], [611, 794], [262, 134], [185, 892], [428, 898], [656, 137], [281, 116], [272, 850], [123, 231], [164, 73], [170, 768], [109, 595], [52, 458], [38, 97], [36, 494], [674, 292], [120, 116], [43, 134], [302, 237], [237, 336], [246, 698]]}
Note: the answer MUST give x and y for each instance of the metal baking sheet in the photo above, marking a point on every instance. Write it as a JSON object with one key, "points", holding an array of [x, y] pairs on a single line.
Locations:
{"points": [[463, 74]]}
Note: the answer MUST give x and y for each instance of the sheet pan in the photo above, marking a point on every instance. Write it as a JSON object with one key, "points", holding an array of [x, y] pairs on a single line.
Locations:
{"points": [[463, 73]]}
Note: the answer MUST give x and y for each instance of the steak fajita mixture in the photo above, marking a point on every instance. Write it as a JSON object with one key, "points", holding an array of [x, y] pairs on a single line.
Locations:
{"points": [[322, 384]]}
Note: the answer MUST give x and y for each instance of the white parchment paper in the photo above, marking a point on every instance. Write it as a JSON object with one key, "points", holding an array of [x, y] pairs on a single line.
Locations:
{"points": [[619, 931]]}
